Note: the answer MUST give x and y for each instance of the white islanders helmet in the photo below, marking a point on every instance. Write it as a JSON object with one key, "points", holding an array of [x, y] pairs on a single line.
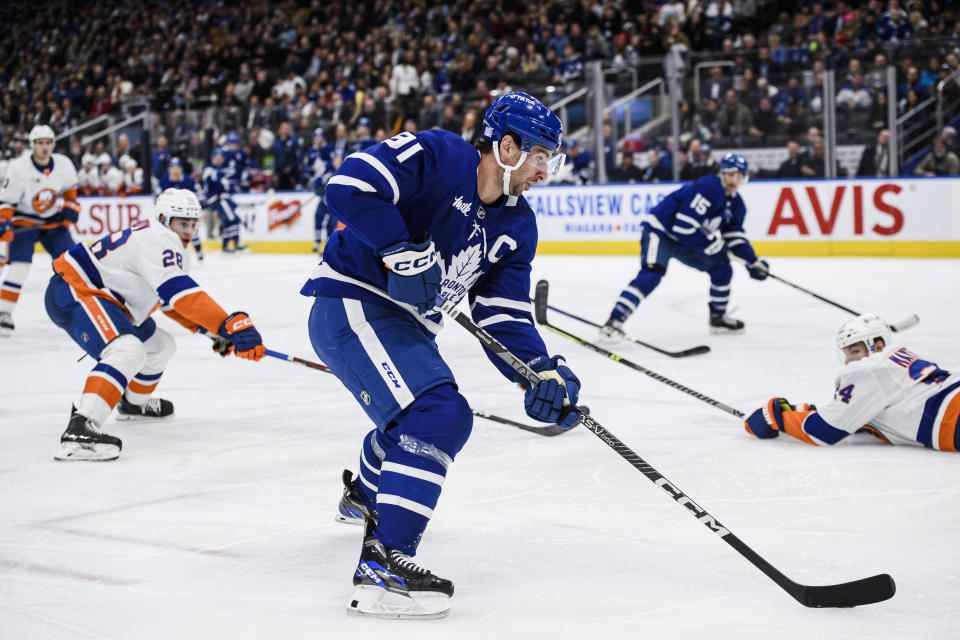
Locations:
{"points": [[177, 203], [42, 132], [865, 328]]}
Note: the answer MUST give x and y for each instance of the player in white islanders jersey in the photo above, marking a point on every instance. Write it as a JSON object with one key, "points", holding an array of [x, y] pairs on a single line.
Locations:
{"points": [[28, 214], [883, 389], [103, 294]]}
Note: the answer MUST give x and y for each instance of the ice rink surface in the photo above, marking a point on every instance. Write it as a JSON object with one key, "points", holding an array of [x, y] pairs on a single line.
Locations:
{"points": [[219, 523]]}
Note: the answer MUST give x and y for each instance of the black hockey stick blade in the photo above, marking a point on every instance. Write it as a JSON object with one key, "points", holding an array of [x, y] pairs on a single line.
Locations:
{"points": [[692, 351], [849, 594]]}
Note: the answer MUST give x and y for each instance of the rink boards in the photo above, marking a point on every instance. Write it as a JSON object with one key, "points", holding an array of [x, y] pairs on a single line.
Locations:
{"points": [[916, 217]]}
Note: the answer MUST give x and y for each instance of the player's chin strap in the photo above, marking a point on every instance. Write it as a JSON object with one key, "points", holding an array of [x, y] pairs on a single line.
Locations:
{"points": [[507, 170]]}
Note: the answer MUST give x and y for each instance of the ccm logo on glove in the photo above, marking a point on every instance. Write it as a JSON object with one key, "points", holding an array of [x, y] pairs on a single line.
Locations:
{"points": [[238, 323]]}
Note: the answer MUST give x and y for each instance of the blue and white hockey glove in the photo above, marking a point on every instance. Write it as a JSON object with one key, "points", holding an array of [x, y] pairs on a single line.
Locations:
{"points": [[555, 399], [414, 275], [759, 269]]}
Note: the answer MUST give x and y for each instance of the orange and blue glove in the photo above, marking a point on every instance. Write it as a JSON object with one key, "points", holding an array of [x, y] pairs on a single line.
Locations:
{"points": [[238, 329], [769, 421], [6, 233]]}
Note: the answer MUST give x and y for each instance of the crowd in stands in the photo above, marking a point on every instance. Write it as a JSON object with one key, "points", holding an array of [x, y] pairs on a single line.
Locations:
{"points": [[275, 72]]}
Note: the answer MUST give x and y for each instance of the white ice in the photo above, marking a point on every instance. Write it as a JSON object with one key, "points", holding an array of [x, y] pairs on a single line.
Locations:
{"points": [[219, 523]]}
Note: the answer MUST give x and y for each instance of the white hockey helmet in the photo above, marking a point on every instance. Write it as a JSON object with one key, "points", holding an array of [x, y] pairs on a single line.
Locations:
{"points": [[42, 132], [177, 203], [104, 158], [865, 328], [88, 159]]}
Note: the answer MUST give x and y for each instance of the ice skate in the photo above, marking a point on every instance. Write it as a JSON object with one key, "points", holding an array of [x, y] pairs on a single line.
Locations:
{"points": [[390, 585], [352, 509], [722, 323], [6, 324], [84, 441], [612, 331], [153, 408]]}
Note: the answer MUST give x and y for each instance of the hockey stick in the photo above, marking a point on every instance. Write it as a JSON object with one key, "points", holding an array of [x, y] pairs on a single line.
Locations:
{"points": [[849, 594], [903, 325], [540, 312], [548, 430], [692, 351]]}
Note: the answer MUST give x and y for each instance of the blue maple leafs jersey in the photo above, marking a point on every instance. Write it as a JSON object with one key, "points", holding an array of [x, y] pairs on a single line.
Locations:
{"points": [[316, 165], [690, 213], [428, 182], [214, 185], [234, 168]]}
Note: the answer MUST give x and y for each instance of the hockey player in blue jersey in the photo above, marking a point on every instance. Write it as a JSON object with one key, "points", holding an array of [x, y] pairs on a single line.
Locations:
{"points": [[217, 198], [428, 214], [235, 171], [364, 139], [697, 225], [176, 178], [317, 169]]}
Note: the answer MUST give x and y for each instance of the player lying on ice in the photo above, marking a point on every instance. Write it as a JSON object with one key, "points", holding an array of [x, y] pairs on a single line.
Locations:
{"points": [[428, 214], [883, 389], [102, 295]]}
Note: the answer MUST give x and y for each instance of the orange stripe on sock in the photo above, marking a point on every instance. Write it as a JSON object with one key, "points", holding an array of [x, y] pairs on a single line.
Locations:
{"points": [[145, 389], [948, 426], [100, 318], [9, 296], [106, 390]]}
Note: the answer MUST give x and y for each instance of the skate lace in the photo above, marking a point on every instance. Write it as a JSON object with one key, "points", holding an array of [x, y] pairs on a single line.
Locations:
{"points": [[152, 405], [406, 562]]}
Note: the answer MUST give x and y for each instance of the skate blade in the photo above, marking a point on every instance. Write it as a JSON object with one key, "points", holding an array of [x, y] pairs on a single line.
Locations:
{"points": [[126, 417], [720, 331], [370, 601], [100, 452], [349, 520]]}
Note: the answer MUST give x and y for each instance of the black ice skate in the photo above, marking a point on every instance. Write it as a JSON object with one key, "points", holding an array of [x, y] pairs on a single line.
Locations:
{"points": [[390, 585], [152, 408], [722, 323], [352, 509], [84, 441], [6, 324]]}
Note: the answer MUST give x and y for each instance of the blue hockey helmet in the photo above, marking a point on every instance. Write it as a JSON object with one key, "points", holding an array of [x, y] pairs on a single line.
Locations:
{"points": [[318, 133], [233, 138], [733, 162], [175, 162], [363, 122], [525, 116]]}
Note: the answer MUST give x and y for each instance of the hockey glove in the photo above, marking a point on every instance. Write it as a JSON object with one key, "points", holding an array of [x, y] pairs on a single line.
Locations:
{"points": [[759, 269], [6, 233], [414, 275], [769, 421], [714, 242], [238, 328], [554, 399], [70, 212]]}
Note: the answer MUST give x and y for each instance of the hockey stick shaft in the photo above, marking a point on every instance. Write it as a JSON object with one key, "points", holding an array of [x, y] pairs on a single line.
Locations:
{"points": [[851, 594], [548, 430], [692, 351], [540, 311], [906, 323]]}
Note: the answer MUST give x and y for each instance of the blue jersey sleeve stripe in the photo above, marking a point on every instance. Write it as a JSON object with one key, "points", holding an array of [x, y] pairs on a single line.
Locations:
{"points": [[349, 181], [506, 303], [175, 286], [817, 427], [501, 317], [382, 170], [693, 222]]}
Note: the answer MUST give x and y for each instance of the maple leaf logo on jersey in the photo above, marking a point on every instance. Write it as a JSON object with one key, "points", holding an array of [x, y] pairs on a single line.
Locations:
{"points": [[461, 274]]}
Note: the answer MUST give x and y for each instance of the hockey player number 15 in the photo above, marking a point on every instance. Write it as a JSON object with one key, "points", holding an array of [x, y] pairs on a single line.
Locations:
{"points": [[700, 204]]}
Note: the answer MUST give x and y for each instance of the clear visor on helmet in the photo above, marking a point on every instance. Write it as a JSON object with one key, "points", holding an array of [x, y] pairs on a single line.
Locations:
{"points": [[543, 160]]}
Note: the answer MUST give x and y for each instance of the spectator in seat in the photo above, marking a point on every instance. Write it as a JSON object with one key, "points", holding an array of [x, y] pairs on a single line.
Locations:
{"points": [[581, 162], [627, 171], [792, 167], [655, 172], [734, 118], [939, 162], [875, 160], [765, 121]]}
